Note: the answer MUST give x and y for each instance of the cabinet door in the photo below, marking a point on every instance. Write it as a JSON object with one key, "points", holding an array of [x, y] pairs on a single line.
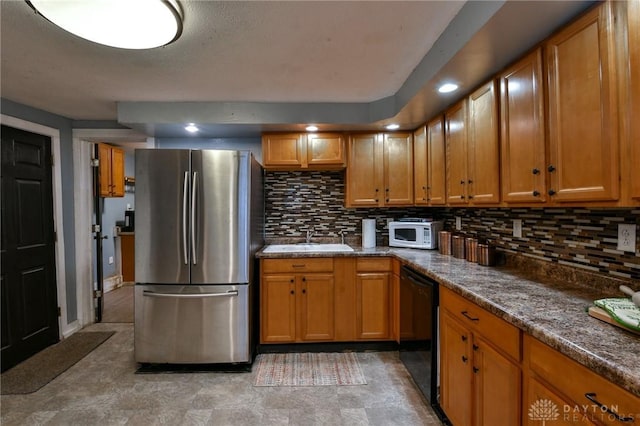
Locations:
{"points": [[373, 304], [497, 385], [398, 169], [583, 132], [104, 156], [483, 151], [633, 16], [436, 171], [455, 371], [117, 172], [286, 150], [278, 308], [456, 153], [522, 131], [316, 302], [420, 168], [364, 171], [542, 405], [325, 149]]}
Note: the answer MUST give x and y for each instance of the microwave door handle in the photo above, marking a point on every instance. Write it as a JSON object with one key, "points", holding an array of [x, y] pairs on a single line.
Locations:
{"points": [[194, 194], [185, 243]]}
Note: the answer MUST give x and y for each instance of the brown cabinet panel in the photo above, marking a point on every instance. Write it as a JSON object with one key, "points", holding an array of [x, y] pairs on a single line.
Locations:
{"points": [[283, 150], [373, 309], [398, 169], [436, 159], [420, 166], [523, 131], [111, 160], [483, 149], [633, 23], [583, 116], [325, 149], [298, 151], [316, 301], [278, 308], [364, 183], [456, 153]]}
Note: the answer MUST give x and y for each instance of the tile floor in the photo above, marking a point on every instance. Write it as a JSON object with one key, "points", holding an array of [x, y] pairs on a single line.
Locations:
{"points": [[102, 389]]}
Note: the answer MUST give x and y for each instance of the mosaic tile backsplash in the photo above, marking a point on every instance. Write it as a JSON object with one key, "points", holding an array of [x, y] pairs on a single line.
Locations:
{"points": [[576, 237]]}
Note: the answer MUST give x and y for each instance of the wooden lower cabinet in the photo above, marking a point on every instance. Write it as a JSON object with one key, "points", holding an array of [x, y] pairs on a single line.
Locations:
{"points": [[579, 395], [480, 376], [373, 304]]}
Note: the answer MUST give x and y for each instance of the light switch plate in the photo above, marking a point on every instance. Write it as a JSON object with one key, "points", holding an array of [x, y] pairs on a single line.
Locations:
{"points": [[458, 223], [110, 260], [517, 228], [627, 237]]}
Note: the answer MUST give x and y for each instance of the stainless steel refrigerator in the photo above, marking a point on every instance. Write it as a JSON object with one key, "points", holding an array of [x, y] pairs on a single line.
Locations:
{"points": [[199, 217]]}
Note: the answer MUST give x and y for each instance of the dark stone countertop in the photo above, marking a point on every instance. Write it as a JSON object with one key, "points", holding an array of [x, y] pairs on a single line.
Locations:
{"points": [[551, 309]]}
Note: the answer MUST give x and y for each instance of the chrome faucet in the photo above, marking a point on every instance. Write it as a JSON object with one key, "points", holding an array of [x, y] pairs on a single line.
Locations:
{"points": [[310, 233], [342, 235]]}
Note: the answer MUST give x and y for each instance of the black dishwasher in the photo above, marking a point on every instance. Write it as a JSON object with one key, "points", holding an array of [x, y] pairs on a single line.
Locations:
{"points": [[419, 333]]}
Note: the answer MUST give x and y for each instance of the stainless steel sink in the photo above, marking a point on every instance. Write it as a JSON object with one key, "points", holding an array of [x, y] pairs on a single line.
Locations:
{"points": [[307, 248]]}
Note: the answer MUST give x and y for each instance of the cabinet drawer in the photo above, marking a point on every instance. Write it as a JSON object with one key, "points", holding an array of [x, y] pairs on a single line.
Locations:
{"points": [[300, 264], [374, 264], [499, 332], [579, 384]]}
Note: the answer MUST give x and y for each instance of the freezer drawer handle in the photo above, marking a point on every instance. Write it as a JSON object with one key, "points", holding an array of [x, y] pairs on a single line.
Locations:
{"points": [[190, 295]]}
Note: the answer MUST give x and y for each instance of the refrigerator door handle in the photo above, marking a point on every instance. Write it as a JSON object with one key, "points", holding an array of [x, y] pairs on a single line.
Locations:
{"points": [[190, 295], [194, 194], [185, 244]]}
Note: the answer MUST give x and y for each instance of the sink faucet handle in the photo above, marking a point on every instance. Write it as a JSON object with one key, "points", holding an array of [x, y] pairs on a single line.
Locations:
{"points": [[341, 232]]}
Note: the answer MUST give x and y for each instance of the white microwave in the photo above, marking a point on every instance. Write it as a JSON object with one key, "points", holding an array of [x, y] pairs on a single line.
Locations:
{"points": [[422, 235]]}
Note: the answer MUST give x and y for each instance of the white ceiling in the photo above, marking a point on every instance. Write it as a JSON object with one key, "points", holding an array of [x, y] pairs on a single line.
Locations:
{"points": [[242, 67]]}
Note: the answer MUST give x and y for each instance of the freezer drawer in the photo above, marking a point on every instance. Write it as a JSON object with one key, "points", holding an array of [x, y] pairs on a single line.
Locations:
{"points": [[192, 324]]}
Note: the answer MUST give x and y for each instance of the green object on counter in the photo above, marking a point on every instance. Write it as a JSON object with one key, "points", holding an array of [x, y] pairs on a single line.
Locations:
{"points": [[622, 310]]}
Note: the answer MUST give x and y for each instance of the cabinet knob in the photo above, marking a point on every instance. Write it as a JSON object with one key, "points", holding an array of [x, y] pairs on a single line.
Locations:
{"points": [[462, 197], [551, 168], [377, 190], [304, 291], [462, 182], [475, 347], [464, 338], [476, 369], [469, 181], [292, 292], [291, 281], [377, 200], [536, 193], [387, 200], [552, 192], [304, 279], [536, 171], [387, 189], [424, 187], [470, 197], [464, 359]]}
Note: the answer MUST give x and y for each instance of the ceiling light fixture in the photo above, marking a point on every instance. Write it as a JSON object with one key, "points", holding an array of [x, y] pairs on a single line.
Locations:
{"points": [[311, 128], [448, 88], [126, 24], [191, 128], [392, 126]]}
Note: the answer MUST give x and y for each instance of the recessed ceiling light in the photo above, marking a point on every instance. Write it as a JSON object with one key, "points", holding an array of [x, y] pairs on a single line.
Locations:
{"points": [[448, 88], [191, 128], [311, 128], [139, 24], [392, 126]]}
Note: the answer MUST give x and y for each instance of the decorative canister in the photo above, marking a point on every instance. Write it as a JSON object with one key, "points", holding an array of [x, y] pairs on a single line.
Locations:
{"points": [[471, 249], [486, 254], [457, 243], [444, 242]]}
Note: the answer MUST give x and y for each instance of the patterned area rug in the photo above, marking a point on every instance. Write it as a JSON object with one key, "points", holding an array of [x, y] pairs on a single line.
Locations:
{"points": [[308, 369]]}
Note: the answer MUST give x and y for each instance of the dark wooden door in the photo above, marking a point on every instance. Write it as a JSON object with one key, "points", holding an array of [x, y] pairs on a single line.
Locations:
{"points": [[28, 277]]}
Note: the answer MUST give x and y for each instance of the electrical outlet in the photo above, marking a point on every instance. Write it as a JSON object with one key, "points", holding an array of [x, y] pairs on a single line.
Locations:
{"points": [[458, 223], [517, 228], [110, 260], [627, 237]]}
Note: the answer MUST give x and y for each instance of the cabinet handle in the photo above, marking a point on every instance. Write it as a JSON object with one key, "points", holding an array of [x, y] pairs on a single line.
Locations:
{"points": [[298, 265], [304, 279], [591, 396], [377, 190], [464, 359], [475, 347], [536, 171], [387, 200], [464, 338], [424, 187], [552, 192], [387, 190], [470, 197], [377, 200], [476, 369], [470, 181], [292, 292], [462, 197], [466, 315], [304, 291], [462, 182], [291, 281], [551, 168], [536, 193]]}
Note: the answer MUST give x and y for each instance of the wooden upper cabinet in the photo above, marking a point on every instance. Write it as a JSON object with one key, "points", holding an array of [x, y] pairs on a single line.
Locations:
{"points": [[456, 152], [633, 161], [111, 160], [380, 170], [398, 169], [483, 150], [420, 166], [429, 179], [282, 150], [296, 151], [325, 149], [583, 117], [523, 131], [436, 159]]}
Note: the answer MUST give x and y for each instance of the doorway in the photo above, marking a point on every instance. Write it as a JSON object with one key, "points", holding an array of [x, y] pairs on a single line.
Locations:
{"points": [[29, 288]]}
